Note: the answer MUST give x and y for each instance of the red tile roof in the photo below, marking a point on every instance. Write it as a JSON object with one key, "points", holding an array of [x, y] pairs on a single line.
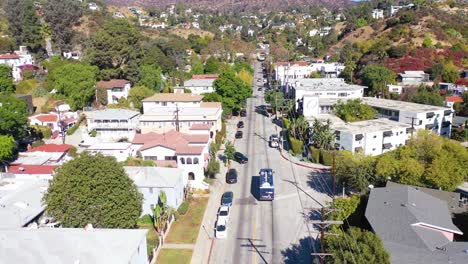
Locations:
{"points": [[9, 56], [47, 118], [174, 140], [51, 148], [204, 76], [114, 83], [32, 169], [454, 99], [200, 127]]}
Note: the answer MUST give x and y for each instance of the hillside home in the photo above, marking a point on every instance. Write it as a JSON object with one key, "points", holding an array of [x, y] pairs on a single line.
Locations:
{"points": [[54, 120], [115, 88], [413, 77], [71, 55], [394, 9], [414, 226], [285, 71], [178, 150], [19, 58], [121, 151], [151, 181], [377, 14], [113, 124], [201, 83], [451, 100], [396, 89]]}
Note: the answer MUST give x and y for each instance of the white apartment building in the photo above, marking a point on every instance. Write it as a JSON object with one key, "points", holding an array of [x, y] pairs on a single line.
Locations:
{"points": [[434, 118], [115, 88], [151, 181], [317, 96], [120, 150], [413, 77], [171, 100], [202, 83], [377, 14], [371, 137], [284, 71], [113, 124]]}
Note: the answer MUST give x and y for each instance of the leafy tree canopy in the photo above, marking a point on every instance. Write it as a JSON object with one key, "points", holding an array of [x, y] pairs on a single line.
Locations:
{"points": [[150, 76], [96, 190], [322, 135], [7, 147], [377, 77], [232, 90], [137, 94], [76, 82], [61, 16], [13, 116], [354, 110], [23, 23], [6, 85]]}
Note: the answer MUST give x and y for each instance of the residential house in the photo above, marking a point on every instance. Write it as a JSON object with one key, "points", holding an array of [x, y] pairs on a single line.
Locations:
{"points": [[113, 124], [434, 118], [93, 6], [20, 202], [151, 181], [121, 151], [285, 71], [201, 83], [54, 120], [451, 100], [394, 9], [74, 245], [177, 150], [413, 77], [414, 226], [118, 15], [377, 14], [396, 89], [165, 112], [116, 89], [71, 55], [19, 58]]}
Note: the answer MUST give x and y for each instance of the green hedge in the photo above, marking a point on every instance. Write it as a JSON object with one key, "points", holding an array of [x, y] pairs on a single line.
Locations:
{"points": [[326, 157], [315, 154], [72, 129], [145, 220], [45, 131], [296, 145], [286, 123], [183, 208]]}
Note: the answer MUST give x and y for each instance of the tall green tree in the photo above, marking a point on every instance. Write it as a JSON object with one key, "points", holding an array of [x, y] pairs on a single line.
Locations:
{"points": [[23, 23], [229, 151], [212, 65], [355, 171], [7, 147], [150, 76], [13, 116], [377, 78], [322, 135], [93, 189], [137, 94], [232, 90], [61, 16], [362, 247], [76, 82], [354, 110], [450, 72], [6, 85]]}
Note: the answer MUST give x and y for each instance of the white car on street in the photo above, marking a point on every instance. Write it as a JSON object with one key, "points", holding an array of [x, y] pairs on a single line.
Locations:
{"points": [[223, 213], [221, 228]]}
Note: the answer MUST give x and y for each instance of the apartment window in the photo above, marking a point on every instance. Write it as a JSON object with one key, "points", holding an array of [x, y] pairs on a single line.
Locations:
{"points": [[373, 149], [117, 89], [420, 122], [189, 161], [195, 161], [182, 160], [331, 93], [375, 136], [152, 206], [342, 94], [151, 190], [150, 158], [164, 103]]}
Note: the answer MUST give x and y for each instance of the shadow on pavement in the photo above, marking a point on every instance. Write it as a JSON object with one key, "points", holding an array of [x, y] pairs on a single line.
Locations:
{"points": [[299, 253], [320, 182], [255, 246], [303, 191], [254, 186]]}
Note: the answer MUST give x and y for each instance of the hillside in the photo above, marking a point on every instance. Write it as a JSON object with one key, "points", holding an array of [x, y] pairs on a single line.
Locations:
{"points": [[232, 5]]}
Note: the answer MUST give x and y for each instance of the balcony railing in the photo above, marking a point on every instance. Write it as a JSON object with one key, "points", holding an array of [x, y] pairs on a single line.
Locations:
{"points": [[112, 125]]}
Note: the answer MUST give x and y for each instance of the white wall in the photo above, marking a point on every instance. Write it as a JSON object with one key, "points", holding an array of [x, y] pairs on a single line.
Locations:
{"points": [[148, 106], [140, 256], [118, 95], [119, 154], [201, 89], [175, 196], [159, 152]]}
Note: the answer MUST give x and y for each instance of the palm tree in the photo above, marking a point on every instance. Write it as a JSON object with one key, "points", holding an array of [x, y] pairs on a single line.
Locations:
{"points": [[322, 135], [161, 213]]}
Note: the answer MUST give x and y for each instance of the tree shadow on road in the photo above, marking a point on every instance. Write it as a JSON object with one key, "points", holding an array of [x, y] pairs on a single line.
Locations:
{"points": [[299, 253], [320, 182]]}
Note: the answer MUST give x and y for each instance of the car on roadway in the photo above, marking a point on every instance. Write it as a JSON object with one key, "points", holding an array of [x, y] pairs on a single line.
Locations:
{"points": [[239, 134], [259, 80], [226, 199], [259, 89], [274, 141], [231, 176], [240, 124], [243, 113], [221, 228], [223, 213], [241, 158]]}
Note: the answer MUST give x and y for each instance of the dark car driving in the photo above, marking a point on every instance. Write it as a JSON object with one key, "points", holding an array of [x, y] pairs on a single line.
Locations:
{"points": [[227, 198], [239, 134], [241, 158], [231, 176], [240, 124], [243, 113]]}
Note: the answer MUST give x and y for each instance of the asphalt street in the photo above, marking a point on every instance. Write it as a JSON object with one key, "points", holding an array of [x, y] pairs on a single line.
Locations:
{"points": [[269, 231]]}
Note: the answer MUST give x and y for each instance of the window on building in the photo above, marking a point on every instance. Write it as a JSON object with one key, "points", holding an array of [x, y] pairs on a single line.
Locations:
{"points": [[191, 176], [150, 157], [342, 94], [152, 206], [375, 136], [151, 190], [182, 160], [164, 103], [189, 160], [420, 122], [195, 161]]}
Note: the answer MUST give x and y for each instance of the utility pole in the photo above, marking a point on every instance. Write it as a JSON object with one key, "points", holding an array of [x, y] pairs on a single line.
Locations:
{"points": [[334, 174], [324, 224], [177, 118]]}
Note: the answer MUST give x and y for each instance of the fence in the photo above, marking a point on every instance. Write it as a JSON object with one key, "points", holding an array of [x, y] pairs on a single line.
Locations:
{"points": [[161, 240]]}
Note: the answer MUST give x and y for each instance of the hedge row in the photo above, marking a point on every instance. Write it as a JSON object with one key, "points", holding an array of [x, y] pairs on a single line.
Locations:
{"points": [[72, 129], [183, 208], [321, 156], [296, 145]]}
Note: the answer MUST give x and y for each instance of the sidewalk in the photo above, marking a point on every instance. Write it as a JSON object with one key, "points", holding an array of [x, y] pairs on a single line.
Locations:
{"points": [[205, 240], [314, 166]]}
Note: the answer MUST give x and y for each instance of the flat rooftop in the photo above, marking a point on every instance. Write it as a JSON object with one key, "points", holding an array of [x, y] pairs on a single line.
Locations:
{"points": [[20, 201], [174, 97], [70, 245], [400, 105], [112, 114], [110, 146], [369, 126], [199, 83], [184, 112], [324, 84], [158, 177]]}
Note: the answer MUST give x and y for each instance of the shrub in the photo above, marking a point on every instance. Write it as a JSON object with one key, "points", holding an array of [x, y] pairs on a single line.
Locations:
{"points": [[397, 51], [183, 208], [43, 131], [72, 151], [145, 220], [286, 123], [296, 145], [326, 157], [72, 129], [212, 168], [93, 133], [315, 154], [26, 86], [392, 22]]}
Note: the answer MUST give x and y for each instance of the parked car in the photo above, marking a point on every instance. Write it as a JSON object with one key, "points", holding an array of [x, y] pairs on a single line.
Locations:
{"points": [[226, 199], [259, 89], [243, 113], [231, 176], [221, 229], [239, 134], [241, 158], [240, 124], [274, 141], [223, 213]]}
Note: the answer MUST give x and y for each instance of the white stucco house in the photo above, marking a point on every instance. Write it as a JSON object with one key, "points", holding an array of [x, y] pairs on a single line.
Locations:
{"points": [[116, 89], [17, 61], [119, 150], [113, 124], [201, 83]]}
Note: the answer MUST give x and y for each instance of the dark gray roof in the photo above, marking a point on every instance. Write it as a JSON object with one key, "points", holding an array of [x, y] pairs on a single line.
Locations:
{"points": [[405, 218]]}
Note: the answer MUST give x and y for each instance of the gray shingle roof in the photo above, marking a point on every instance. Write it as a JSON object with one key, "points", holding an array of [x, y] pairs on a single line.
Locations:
{"points": [[405, 217]]}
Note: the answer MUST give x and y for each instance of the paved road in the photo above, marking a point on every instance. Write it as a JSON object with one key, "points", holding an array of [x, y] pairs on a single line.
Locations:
{"points": [[263, 231]]}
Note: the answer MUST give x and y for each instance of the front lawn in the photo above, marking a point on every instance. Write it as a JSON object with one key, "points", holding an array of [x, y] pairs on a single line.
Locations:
{"points": [[185, 229], [170, 256]]}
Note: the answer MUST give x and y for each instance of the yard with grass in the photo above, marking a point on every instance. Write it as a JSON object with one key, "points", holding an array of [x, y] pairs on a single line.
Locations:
{"points": [[179, 256], [185, 229]]}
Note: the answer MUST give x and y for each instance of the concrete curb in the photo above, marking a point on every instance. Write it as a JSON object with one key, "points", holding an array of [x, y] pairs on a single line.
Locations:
{"points": [[303, 165]]}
